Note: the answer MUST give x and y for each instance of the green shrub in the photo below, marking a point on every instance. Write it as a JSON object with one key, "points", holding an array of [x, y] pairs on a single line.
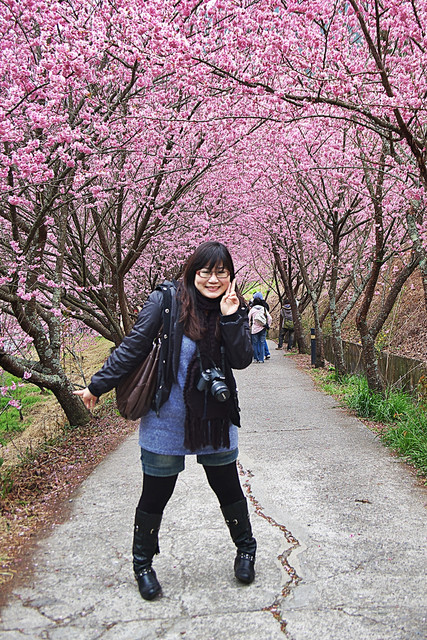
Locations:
{"points": [[404, 418], [408, 436]]}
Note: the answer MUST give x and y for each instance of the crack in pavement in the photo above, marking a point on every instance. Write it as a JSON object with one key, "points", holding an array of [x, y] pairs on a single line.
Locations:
{"points": [[283, 558]]}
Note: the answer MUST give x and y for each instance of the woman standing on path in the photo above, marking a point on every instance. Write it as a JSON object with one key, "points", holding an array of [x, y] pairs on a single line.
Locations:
{"points": [[209, 328]]}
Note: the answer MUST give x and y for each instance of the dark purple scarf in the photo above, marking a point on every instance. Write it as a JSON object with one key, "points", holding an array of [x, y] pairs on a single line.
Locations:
{"points": [[207, 421]]}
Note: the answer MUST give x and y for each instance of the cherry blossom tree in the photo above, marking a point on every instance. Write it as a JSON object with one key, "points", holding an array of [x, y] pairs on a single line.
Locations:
{"points": [[343, 60], [133, 130], [103, 146]]}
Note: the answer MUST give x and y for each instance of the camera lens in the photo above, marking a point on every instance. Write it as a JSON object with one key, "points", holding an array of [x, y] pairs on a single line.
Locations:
{"points": [[220, 391]]}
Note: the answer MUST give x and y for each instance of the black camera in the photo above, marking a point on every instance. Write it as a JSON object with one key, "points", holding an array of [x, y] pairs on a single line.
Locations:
{"points": [[215, 379]]}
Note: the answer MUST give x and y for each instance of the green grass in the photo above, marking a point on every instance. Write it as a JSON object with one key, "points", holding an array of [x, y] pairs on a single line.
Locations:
{"points": [[404, 418], [10, 417]]}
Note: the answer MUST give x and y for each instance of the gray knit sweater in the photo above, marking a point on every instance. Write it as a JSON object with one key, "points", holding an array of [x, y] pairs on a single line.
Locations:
{"points": [[165, 434]]}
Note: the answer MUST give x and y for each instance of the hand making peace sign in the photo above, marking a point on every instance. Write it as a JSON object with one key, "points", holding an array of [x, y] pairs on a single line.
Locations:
{"points": [[230, 301]]}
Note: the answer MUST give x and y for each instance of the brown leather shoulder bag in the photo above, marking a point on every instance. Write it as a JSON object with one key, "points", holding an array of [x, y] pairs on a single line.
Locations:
{"points": [[135, 392]]}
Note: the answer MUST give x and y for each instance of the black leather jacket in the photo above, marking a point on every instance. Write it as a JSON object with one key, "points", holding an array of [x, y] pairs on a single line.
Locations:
{"points": [[136, 346]]}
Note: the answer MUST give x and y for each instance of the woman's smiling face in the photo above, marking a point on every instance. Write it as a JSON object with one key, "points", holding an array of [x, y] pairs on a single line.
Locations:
{"points": [[212, 283]]}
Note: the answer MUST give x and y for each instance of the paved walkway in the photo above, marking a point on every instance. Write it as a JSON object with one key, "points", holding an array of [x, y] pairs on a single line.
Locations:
{"points": [[340, 523]]}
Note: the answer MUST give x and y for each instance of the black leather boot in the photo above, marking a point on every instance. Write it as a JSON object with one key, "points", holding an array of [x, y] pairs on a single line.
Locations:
{"points": [[145, 545], [237, 518]]}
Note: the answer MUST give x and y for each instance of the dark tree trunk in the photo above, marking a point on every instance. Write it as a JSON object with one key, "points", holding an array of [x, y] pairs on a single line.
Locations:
{"points": [[320, 358], [419, 250], [337, 346], [370, 361], [298, 328], [368, 334], [49, 375], [339, 363], [74, 409]]}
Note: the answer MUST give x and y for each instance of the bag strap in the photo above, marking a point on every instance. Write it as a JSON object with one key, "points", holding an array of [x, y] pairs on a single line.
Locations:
{"points": [[165, 346]]}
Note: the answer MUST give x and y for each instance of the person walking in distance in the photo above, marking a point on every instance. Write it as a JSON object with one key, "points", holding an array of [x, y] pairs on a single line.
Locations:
{"points": [[198, 412], [286, 325], [259, 320], [258, 298]]}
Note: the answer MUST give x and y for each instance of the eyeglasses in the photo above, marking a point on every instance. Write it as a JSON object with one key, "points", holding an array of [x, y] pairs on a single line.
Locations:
{"points": [[221, 274]]}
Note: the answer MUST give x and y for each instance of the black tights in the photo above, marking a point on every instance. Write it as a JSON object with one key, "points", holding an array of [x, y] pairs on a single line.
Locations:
{"points": [[224, 481]]}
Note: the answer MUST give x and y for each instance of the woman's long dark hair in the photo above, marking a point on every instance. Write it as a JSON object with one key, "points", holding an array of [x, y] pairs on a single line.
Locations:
{"points": [[209, 255]]}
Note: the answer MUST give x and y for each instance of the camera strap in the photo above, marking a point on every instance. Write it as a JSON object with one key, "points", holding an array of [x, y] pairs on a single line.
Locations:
{"points": [[199, 357], [223, 358], [205, 406]]}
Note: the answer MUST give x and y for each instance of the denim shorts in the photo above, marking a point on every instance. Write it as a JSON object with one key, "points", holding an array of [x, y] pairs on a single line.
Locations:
{"points": [[156, 464]]}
